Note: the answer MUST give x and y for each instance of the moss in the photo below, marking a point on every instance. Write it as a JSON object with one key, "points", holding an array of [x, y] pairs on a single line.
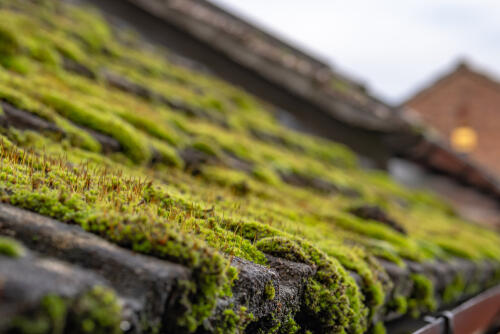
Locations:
{"points": [[398, 304], [289, 326], [22, 101], [269, 291], [166, 154], [9, 41], [266, 176], [56, 309], [151, 127], [45, 54], [11, 248], [210, 271], [20, 65], [251, 230], [233, 322], [422, 296], [133, 143], [94, 30], [97, 311], [78, 137], [358, 261], [332, 296], [378, 328], [283, 248], [454, 291], [140, 199], [49, 318], [407, 248], [205, 146], [65, 47]]}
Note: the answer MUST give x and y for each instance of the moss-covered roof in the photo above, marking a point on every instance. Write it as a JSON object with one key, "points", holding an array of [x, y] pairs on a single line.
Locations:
{"points": [[102, 130]]}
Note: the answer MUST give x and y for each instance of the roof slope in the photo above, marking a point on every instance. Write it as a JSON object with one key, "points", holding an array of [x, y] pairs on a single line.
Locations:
{"points": [[275, 60], [274, 230]]}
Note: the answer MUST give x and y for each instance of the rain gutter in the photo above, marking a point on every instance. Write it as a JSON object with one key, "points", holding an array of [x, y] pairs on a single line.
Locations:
{"points": [[473, 316]]}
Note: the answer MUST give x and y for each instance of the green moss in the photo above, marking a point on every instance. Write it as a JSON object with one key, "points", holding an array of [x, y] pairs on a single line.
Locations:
{"points": [[289, 326], [266, 176], [251, 230], [45, 54], [97, 311], [166, 154], [422, 296], [233, 322], [205, 146], [378, 328], [56, 309], [210, 270], [93, 29], [22, 101], [9, 41], [453, 291], [151, 127], [78, 137], [133, 143], [283, 248], [49, 318], [11, 248], [18, 64], [398, 304], [65, 47], [407, 248], [140, 199], [359, 262], [269, 291]]}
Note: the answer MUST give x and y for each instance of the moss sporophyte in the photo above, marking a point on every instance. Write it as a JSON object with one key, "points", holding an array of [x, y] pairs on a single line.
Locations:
{"points": [[176, 164]]}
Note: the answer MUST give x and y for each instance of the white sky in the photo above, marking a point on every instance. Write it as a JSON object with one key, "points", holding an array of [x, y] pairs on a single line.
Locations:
{"points": [[394, 46]]}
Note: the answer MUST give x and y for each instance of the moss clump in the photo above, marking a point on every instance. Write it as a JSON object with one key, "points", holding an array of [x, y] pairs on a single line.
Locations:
{"points": [[20, 65], [269, 291], [166, 154], [289, 326], [453, 291], [378, 328], [133, 143], [266, 176], [45, 54], [11, 248], [398, 304], [283, 248], [422, 297], [151, 127], [96, 311], [84, 203], [234, 322], [207, 147], [49, 318], [361, 263], [9, 41]]}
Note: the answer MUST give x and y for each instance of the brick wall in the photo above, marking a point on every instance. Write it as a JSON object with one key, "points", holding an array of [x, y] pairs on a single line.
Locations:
{"points": [[467, 98]]}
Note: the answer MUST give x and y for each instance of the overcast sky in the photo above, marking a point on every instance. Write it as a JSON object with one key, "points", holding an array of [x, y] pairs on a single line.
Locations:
{"points": [[394, 46]]}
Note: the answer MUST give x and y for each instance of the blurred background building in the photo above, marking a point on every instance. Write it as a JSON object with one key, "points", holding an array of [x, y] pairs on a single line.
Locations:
{"points": [[464, 107]]}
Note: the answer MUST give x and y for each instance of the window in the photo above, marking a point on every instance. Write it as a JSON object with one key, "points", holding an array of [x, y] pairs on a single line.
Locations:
{"points": [[463, 139]]}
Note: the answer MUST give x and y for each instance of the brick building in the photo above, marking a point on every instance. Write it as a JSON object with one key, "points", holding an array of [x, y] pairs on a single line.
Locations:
{"points": [[463, 106]]}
